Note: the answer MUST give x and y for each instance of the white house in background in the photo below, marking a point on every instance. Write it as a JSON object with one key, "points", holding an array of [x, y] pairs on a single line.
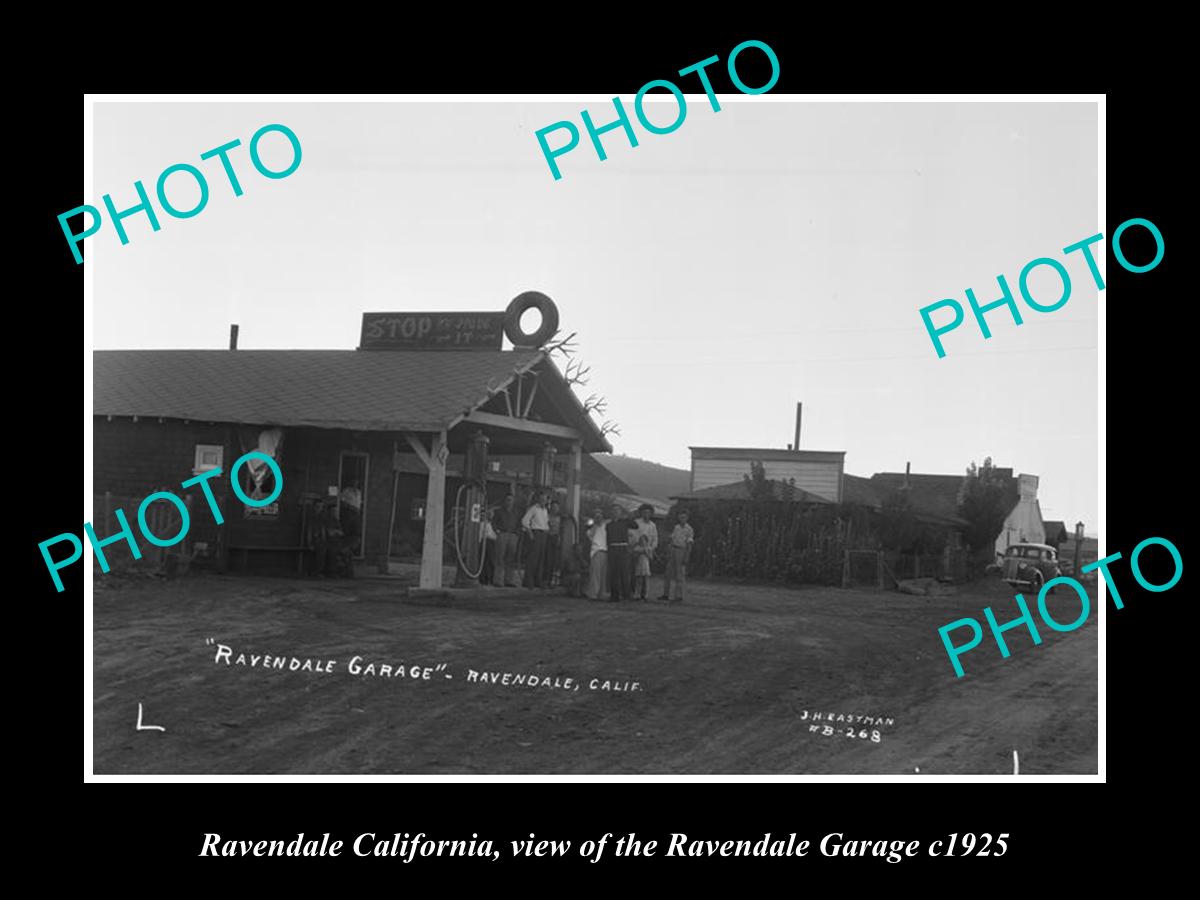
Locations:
{"points": [[1024, 523], [816, 471]]}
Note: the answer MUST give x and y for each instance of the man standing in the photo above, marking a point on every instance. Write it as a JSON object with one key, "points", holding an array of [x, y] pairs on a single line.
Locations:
{"points": [[508, 527], [617, 530], [536, 523], [597, 583], [332, 553], [553, 558], [678, 553]]}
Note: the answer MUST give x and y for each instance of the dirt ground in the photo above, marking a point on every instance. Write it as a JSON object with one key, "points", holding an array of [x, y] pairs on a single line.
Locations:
{"points": [[727, 683]]}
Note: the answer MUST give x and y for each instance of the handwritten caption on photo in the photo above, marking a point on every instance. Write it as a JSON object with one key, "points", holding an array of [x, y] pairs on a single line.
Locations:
{"points": [[844, 725], [398, 670]]}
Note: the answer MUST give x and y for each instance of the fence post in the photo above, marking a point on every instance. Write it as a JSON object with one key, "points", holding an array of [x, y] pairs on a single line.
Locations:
{"points": [[185, 557], [846, 547], [879, 569], [157, 517]]}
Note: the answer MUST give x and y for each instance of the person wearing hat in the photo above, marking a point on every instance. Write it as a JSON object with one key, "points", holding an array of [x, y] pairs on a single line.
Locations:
{"points": [[617, 529], [643, 541]]}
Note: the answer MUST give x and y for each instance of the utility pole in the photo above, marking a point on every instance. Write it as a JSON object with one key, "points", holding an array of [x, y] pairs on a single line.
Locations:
{"points": [[1078, 544]]}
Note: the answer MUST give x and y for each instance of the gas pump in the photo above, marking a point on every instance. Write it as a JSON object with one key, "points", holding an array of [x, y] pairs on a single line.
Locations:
{"points": [[469, 505]]}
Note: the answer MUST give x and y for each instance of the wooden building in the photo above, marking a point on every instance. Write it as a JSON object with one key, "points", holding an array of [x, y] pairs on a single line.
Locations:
{"points": [[340, 423], [815, 471]]}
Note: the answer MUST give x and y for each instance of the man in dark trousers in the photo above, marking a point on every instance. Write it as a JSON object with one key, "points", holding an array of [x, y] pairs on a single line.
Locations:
{"points": [[507, 523], [333, 556], [553, 558], [619, 561], [536, 523]]}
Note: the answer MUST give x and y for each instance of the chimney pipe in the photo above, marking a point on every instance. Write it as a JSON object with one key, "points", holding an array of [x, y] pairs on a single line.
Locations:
{"points": [[796, 443], [233, 333]]}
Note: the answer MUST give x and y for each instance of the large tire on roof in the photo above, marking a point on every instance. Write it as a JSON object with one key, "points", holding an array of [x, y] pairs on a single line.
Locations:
{"points": [[516, 309]]}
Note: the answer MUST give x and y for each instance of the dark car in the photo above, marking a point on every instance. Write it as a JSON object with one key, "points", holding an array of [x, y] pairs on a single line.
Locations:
{"points": [[1029, 566]]}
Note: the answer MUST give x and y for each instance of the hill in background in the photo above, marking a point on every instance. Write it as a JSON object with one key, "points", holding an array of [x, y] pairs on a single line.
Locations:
{"points": [[649, 479]]}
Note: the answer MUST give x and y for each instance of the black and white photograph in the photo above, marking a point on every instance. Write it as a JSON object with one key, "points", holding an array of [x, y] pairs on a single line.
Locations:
{"points": [[713, 433]]}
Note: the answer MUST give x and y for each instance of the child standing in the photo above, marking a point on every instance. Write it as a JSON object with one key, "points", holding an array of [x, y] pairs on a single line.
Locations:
{"points": [[644, 540]]}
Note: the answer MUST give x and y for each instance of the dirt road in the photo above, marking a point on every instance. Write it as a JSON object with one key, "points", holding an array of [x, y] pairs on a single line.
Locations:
{"points": [[727, 683]]}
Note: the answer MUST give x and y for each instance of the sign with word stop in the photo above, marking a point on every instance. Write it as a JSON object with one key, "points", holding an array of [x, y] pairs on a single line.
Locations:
{"points": [[432, 331]]}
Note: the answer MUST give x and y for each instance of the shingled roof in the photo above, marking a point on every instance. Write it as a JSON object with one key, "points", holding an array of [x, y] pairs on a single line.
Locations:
{"points": [[859, 492], [350, 389], [932, 497], [1056, 531]]}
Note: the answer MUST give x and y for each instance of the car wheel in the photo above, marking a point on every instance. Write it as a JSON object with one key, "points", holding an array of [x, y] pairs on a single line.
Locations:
{"points": [[1038, 580]]}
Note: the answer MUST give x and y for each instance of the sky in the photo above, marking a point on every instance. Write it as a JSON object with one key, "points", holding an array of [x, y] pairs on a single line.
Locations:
{"points": [[770, 253]]}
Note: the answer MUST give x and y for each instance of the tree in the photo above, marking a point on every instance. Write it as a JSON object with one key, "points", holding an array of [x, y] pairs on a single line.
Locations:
{"points": [[985, 503], [757, 484], [899, 529]]}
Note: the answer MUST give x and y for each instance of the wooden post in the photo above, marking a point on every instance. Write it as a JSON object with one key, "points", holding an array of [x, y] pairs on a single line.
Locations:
{"points": [[574, 486], [224, 563], [387, 551], [435, 507], [846, 554]]}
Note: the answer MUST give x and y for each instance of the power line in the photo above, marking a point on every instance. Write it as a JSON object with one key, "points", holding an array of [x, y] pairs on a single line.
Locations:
{"points": [[726, 361], [761, 334]]}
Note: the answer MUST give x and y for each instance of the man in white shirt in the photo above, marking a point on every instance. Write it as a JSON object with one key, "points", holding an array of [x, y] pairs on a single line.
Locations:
{"points": [[536, 523], [597, 584]]}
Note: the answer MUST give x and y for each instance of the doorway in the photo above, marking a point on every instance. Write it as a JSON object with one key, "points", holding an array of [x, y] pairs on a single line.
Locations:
{"points": [[352, 499]]}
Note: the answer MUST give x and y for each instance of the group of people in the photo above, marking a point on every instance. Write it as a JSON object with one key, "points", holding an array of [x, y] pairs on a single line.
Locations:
{"points": [[611, 558], [542, 526], [620, 550]]}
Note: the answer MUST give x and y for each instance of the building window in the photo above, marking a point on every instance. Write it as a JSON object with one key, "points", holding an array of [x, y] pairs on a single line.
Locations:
{"points": [[208, 457], [418, 509]]}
